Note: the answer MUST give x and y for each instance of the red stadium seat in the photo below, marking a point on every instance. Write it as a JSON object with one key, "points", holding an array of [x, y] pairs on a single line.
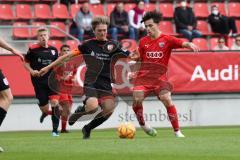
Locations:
{"points": [[55, 32], [203, 27], [97, 9], [42, 11], [150, 7], [166, 27], [234, 9], [221, 7], [20, 32], [55, 43], [166, 9], [201, 43], [72, 43], [230, 42], [23, 11], [201, 10], [129, 44], [34, 30], [110, 8], [213, 43], [238, 25], [60, 11], [129, 6], [6, 12], [74, 9]]}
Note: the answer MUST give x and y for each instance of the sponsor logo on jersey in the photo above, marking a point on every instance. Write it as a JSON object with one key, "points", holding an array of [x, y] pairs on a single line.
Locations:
{"points": [[161, 44], [154, 54], [92, 53]]}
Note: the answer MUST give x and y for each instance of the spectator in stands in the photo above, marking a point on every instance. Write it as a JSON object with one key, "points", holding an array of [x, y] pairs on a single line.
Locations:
{"points": [[220, 23], [83, 20], [186, 21], [135, 17], [236, 44], [221, 46], [119, 22]]}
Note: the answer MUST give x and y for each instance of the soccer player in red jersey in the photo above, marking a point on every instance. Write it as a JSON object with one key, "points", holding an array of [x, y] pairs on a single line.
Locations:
{"points": [[6, 96], [154, 52]]}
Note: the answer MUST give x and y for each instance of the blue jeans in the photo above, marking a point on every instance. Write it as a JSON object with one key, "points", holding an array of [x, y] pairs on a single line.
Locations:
{"points": [[80, 34], [190, 34], [114, 31]]}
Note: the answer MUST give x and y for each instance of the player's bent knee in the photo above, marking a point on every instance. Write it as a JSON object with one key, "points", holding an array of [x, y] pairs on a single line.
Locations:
{"points": [[54, 102], [91, 104]]}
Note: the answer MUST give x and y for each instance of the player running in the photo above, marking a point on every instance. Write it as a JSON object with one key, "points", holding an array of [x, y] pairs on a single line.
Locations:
{"points": [[99, 54], [154, 53], [6, 96], [38, 56]]}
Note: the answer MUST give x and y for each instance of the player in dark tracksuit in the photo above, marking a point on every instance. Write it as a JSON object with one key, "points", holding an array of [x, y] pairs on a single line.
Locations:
{"points": [[99, 54], [38, 56]]}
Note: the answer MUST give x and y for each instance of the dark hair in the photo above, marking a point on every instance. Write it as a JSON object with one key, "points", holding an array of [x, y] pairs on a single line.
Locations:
{"points": [[63, 46], [154, 15], [238, 35], [100, 20]]}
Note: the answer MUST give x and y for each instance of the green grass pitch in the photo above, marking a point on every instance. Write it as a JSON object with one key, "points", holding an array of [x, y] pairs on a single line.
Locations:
{"points": [[208, 143]]}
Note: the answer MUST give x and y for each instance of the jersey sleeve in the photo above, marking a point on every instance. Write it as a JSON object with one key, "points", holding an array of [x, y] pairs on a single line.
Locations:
{"points": [[28, 56], [122, 51], [175, 42]]}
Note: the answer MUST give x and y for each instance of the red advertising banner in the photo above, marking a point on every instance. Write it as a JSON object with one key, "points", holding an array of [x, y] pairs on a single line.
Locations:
{"points": [[208, 72]]}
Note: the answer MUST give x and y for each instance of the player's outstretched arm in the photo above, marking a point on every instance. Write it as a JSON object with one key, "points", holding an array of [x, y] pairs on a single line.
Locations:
{"points": [[60, 60], [6, 46], [190, 46]]}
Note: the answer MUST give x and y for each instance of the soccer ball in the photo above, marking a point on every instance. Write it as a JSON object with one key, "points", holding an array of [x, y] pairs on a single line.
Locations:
{"points": [[126, 130]]}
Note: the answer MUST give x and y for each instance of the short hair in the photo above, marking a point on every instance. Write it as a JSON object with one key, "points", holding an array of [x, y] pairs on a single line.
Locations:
{"points": [[213, 6], [221, 38], [238, 35], [63, 46], [100, 20], [154, 15], [42, 29]]}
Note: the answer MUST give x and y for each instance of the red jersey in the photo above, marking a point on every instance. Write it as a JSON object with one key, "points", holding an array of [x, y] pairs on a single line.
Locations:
{"points": [[155, 54]]}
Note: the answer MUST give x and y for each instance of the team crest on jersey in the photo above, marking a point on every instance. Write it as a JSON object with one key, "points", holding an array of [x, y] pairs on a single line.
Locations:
{"points": [[110, 47], [5, 81], [161, 44], [53, 52]]}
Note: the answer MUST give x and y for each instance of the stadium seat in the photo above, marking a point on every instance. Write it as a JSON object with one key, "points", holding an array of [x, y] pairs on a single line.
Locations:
{"points": [[110, 8], [129, 44], [60, 11], [201, 10], [213, 43], [221, 7], [166, 9], [97, 9], [150, 7], [201, 43], [129, 6], [23, 11], [20, 32], [74, 9], [42, 11], [55, 32], [230, 42], [34, 30], [72, 43], [234, 9], [166, 27], [183, 49], [238, 25], [6, 12], [203, 27], [55, 43]]}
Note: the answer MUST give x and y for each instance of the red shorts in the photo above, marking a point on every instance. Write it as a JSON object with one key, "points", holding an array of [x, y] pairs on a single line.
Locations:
{"points": [[147, 89], [62, 97]]}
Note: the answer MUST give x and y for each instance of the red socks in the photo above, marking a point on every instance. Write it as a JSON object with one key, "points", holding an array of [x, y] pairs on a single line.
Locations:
{"points": [[138, 109], [64, 122], [173, 117]]}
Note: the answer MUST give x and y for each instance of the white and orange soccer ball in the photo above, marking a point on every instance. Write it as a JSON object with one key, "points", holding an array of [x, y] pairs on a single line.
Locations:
{"points": [[126, 130]]}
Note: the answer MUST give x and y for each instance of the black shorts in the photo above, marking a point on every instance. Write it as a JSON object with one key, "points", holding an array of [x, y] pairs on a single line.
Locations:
{"points": [[43, 92], [3, 82]]}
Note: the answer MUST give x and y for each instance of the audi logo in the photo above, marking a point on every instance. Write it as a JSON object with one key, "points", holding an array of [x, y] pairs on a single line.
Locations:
{"points": [[154, 54]]}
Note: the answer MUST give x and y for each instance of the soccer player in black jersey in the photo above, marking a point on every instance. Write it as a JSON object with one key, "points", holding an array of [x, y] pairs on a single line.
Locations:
{"points": [[99, 54], [38, 56], [6, 96]]}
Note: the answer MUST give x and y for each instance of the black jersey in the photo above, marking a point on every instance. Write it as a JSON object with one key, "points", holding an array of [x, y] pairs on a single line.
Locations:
{"points": [[39, 57], [99, 57]]}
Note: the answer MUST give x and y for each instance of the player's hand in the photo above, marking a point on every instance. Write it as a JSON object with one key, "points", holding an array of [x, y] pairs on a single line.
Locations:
{"points": [[18, 54], [193, 47], [35, 73], [134, 55], [43, 71]]}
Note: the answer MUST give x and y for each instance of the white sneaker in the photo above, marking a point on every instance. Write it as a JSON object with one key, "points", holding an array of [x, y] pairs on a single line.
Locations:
{"points": [[1, 149], [179, 134], [149, 130]]}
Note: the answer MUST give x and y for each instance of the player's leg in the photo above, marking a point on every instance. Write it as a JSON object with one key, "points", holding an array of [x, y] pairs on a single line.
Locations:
{"points": [[66, 106], [107, 104], [138, 97], [165, 97], [56, 112]]}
